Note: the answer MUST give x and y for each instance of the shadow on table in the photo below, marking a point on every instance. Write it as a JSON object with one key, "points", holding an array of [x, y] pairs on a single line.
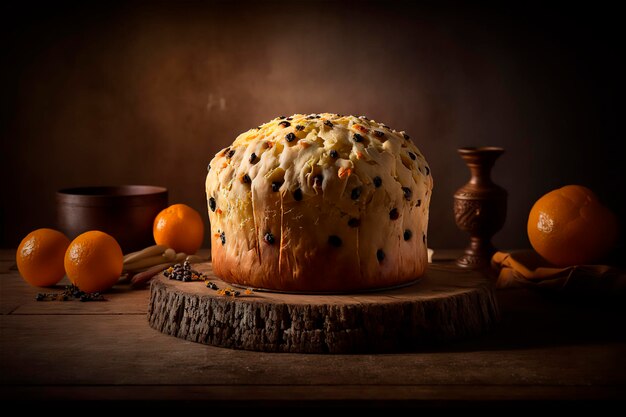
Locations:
{"points": [[531, 319]]}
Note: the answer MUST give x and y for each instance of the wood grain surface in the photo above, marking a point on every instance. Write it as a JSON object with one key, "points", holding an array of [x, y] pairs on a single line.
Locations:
{"points": [[543, 349]]}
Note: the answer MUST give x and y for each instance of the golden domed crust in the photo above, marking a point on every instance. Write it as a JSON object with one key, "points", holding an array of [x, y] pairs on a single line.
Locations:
{"points": [[319, 202]]}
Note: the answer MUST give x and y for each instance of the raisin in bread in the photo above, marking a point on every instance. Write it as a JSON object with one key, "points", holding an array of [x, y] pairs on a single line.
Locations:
{"points": [[319, 203]]}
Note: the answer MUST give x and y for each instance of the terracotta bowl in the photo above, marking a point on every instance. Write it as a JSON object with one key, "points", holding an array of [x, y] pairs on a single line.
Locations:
{"points": [[125, 212]]}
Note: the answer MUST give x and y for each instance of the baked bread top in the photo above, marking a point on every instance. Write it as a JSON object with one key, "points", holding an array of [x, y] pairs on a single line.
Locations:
{"points": [[326, 176]]}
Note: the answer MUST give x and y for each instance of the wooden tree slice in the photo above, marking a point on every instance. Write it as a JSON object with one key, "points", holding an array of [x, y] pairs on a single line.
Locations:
{"points": [[447, 303]]}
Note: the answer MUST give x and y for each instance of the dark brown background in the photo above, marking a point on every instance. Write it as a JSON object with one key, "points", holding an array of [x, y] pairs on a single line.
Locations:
{"points": [[147, 92]]}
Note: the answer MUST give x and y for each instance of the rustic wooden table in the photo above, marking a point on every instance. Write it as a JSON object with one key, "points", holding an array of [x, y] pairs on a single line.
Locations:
{"points": [[544, 349]]}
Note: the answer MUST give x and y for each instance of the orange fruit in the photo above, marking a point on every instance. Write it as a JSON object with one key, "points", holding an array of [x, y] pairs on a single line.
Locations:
{"points": [[93, 261], [570, 226], [179, 227], [40, 257]]}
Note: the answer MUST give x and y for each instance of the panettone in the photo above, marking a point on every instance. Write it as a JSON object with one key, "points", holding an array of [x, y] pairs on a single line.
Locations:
{"points": [[319, 203]]}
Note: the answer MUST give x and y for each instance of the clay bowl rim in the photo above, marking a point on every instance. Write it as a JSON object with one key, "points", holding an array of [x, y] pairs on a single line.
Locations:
{"points": [[472, 150], [106, 195]]}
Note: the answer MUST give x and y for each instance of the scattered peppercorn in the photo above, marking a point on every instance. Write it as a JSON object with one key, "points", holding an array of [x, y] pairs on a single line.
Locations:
{"points": [[246, 179], [289, 118], [412, 155], [71, 292], [380, 255], [290, 137], [282, 117], [318, 180], [252, 157], [334, 241], [328, 123], [299, 127], [354, 222], [310, 117], [269, 238], [377, 182], [183, 272], [284, 124], [297, 194], [223, 238], [230, 154], [407, 193], [356, 193], [212, 285], [394, 214], [276, 185], [407, 234], [212, 204], [358, 138], [334, 153]]}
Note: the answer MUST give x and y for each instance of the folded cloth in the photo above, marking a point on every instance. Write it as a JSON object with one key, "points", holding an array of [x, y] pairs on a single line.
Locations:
{"points": [[528, 269]]}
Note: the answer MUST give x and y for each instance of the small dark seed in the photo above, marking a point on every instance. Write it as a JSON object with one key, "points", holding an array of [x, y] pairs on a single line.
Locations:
{"points": [[246, 179], [329, 123], [297, 195], [310, 117], [419, 203], [412, 155], [282, 117], [380, 255], [299, 127], [284, 124], [276, 185], [334, 154], [223, 238], [289, 118], [269, 238], [394, 214], [230, 154], [318, 181], [290, 137], [356, 193], [407, 193], [354, 222], [252, 158], [334, 241], [407, 137], [377, 182], [407, 234], [358, 138], [317, 116], [212, 204]]}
